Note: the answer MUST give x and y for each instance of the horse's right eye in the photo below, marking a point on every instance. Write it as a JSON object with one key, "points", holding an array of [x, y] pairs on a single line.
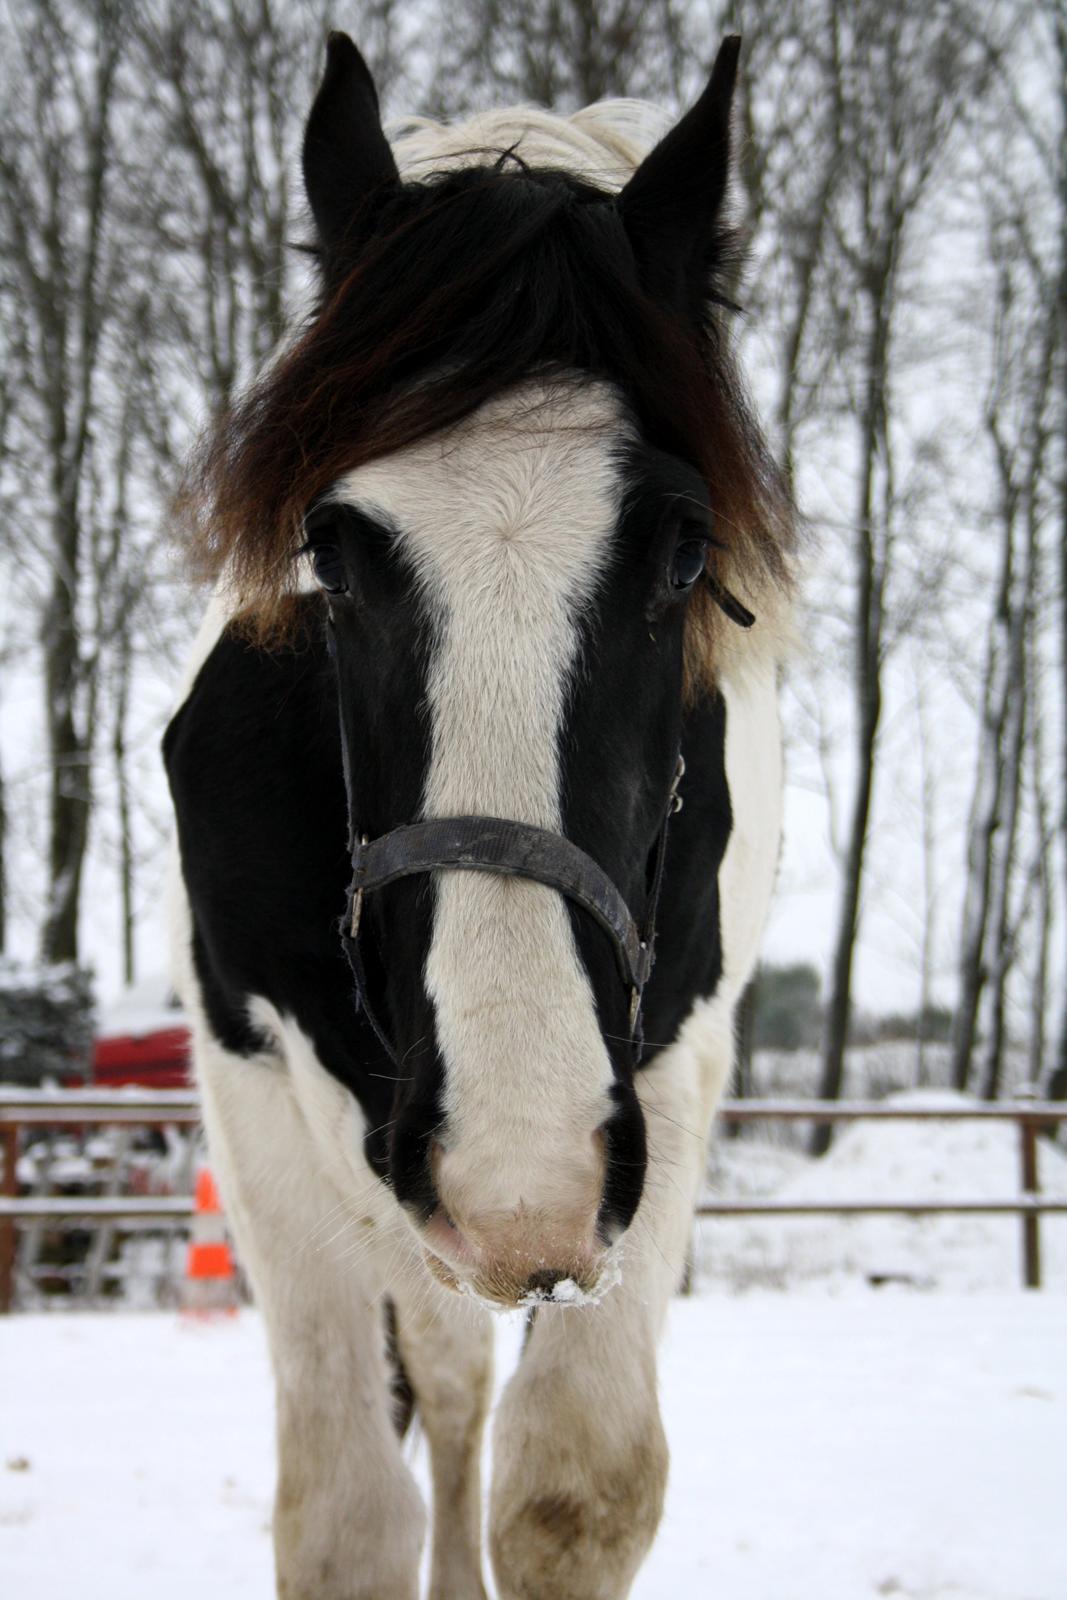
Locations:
{"points": [[329, 568]]}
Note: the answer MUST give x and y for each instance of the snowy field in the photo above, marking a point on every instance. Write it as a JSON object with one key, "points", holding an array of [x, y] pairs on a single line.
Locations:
{"points": [[830, 1440], [825, 1447]]}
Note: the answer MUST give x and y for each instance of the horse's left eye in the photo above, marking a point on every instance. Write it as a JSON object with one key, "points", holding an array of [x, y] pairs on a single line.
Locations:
{"points": [[329, 568], [688, 563]]}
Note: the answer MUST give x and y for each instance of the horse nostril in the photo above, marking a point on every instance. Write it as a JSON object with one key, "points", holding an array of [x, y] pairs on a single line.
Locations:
{"points": [[544, 1282]]}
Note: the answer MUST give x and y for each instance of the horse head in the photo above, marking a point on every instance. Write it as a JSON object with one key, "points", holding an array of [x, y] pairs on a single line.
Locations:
{"points": [[511, 454]]}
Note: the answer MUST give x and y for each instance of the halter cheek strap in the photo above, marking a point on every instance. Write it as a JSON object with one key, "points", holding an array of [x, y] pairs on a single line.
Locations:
{"points": [[516, 850]]}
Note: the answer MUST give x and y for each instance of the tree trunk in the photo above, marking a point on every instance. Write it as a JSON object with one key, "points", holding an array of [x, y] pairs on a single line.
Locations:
{"points": [[60, 250], [1002, 938], [987, 800], [1039, 977], [3, 864], [871, 576], [1060, 1074], [68, 747], [930, 896], [745, 1027], [122, 783], [1000, 942], [839, 1004], [985, 807]]}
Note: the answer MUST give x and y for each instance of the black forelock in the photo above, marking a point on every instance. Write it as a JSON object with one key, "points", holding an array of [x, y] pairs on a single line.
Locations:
{"points": [[524, 264]]}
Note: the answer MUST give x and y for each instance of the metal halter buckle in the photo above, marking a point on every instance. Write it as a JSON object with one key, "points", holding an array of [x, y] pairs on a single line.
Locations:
{"points": [[674, 799], [357, 901]]}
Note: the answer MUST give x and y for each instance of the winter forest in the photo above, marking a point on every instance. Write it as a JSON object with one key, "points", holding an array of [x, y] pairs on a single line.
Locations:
{"points": [[903, 186]]}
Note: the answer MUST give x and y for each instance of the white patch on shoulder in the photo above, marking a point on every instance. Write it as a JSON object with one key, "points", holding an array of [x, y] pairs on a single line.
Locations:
{"points": [[507, 522]]}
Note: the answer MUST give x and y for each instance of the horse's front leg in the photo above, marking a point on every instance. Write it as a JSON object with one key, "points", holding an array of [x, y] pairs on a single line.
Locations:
{"points": [[447, 1347], [321, 1240], [580, 1466]]}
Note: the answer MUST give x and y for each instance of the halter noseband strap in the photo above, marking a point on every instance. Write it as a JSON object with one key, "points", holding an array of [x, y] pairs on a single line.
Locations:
{"points": [[516, 850]]}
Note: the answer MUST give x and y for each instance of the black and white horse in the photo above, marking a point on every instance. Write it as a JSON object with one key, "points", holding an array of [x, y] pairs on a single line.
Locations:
{"points": [[487, 535]]}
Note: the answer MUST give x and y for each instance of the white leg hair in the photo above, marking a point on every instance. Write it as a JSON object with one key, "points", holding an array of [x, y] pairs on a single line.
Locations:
{"points": [[321, 1239], [447, 1346], [580, 1457], [348, 1517]]}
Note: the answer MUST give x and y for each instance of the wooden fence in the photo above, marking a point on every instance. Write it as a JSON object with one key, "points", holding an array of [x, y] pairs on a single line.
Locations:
{"points": [[179, 1108], [78, 1109], [1030, 1117]]}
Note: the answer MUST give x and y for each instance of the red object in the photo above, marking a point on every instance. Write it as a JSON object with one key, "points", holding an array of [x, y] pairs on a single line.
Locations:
{"points": [[158, 1060], [211, 1260], [210, 1278], [207, 1200]]}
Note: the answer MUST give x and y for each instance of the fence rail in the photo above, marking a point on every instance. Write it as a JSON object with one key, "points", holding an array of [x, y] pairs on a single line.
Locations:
{"points": [[179, 1107], [92, 1209], [43, 1108], [80, 1108], [1026, 1205], [1044, 1113]]}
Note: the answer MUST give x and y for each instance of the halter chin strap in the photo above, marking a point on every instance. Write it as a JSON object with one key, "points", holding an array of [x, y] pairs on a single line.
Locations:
{"points": [[512, 850]]}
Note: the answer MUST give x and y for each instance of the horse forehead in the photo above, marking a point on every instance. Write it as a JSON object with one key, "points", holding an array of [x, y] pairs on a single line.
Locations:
{"points": [[538, 472]]}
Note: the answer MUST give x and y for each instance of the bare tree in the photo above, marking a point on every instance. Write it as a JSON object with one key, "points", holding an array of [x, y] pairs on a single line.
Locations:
{"points": [[1026, 350], [1044, 888], [930, 895], [1056, 167], [905, 75], [226, 86], [3, 864], [145, 224], [792, 158], [560, 53], [56, 167]]}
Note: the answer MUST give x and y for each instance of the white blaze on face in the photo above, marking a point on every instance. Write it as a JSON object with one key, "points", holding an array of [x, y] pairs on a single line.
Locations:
{"points": [[507, 523]]}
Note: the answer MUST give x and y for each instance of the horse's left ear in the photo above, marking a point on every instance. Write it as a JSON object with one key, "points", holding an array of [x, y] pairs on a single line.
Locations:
{"points": [[346, 155], [671, 206]]}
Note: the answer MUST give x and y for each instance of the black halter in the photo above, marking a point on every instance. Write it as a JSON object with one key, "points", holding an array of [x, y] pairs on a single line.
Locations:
{"points": [[515, 850]]}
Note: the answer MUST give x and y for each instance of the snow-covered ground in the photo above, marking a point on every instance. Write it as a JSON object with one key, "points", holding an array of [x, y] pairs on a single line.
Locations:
{"points": [[825, 1447], [831, 1442]]}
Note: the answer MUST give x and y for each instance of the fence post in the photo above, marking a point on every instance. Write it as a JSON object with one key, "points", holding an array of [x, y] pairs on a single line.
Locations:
{"points": [[9, 1149], [1031, 1220]]}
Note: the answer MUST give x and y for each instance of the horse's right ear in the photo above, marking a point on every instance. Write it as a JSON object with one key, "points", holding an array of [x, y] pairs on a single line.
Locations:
{"points": [[346, 155]]}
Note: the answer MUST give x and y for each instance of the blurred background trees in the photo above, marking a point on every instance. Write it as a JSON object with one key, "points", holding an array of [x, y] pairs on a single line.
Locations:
{"points": [[903, 174]]}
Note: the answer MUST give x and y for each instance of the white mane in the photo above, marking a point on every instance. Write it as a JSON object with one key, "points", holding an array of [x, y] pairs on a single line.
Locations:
{"points": [[604, 143]]}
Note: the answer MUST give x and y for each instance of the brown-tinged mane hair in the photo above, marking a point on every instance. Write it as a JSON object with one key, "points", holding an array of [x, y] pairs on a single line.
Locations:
{"points": [[471, 283]]}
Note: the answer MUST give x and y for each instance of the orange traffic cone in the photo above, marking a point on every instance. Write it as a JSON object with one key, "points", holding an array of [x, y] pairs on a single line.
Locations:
{"points": [[210, 1278]]}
